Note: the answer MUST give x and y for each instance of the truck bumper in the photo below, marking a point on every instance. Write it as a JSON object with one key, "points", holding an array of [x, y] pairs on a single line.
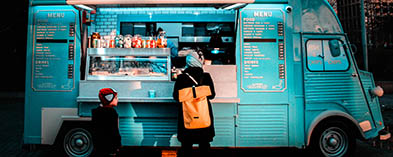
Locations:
{"points": [[384, 135]]}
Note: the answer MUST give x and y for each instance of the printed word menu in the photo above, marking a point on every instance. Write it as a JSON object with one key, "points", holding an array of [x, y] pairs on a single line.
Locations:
{"points": [[262, 50]]}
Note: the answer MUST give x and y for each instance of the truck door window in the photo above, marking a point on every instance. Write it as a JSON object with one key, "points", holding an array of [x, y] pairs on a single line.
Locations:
{"points": [[336, 59], [326, 55], [314, 55]]}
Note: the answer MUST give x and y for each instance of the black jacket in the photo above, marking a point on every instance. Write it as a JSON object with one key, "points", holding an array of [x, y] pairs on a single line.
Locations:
{"points": [[106, 135], [183, 81]]}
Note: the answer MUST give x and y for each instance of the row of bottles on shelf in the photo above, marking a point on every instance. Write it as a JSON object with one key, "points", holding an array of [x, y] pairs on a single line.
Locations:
{"points": [[126, 41]]}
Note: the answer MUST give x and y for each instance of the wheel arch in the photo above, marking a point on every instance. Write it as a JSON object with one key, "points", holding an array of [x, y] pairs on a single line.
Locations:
{"points": [[334, 115], [70, 133], [53, 121], [70, 124]]}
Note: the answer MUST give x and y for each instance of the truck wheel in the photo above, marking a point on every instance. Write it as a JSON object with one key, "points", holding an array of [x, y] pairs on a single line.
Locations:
{"points": [[78, 142], [333, 139]]}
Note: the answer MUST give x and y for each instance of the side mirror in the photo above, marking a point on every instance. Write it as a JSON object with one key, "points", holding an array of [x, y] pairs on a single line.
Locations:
{"points": [[334, 46]]}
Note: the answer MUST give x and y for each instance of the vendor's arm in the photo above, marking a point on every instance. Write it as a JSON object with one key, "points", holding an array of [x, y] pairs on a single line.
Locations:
{"points": [[173, 48]]}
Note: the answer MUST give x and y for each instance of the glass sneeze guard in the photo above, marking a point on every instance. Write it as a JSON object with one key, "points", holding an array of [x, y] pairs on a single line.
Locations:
{"points": [[128, 64]]}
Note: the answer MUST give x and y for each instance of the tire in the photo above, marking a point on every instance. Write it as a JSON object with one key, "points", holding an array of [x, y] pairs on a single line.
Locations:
{"points": [[333, 139], [78, 142]]}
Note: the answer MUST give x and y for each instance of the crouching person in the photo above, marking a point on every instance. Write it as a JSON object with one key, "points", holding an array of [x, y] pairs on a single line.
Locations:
{"points": [[106, 136]]}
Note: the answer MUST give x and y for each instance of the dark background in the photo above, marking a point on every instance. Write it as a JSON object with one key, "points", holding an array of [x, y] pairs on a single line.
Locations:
{"points": [[379, 24], [13, 34]]}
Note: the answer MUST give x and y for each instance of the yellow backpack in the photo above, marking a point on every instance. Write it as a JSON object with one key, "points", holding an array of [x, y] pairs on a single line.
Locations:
{"points": [[195, 106]]}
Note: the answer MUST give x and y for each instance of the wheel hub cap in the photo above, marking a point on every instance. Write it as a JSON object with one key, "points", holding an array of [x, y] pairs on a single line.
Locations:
{"points": [[79, 142], [334, 141]]}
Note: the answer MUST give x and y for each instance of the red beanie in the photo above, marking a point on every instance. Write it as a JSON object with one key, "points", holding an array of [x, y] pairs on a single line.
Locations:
{"points": [[106, 95]]}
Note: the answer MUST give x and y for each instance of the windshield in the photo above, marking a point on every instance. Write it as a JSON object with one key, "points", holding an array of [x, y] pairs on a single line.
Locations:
{"points": [[318, 17]]}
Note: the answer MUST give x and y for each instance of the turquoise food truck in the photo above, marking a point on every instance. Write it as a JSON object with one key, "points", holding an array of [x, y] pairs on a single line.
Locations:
{"points": [[283, 70]]}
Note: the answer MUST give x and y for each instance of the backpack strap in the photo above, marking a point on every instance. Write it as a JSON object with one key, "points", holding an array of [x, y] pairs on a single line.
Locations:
{"points": [[196, 83], [193, 87]]}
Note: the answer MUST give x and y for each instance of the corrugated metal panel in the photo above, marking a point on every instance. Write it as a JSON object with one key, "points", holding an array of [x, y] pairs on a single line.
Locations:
{"points": [[368, 84], [225, 132], [262, 125], [224, 124], [336, 87], [162, 131], [156, 124], [147, 131]]}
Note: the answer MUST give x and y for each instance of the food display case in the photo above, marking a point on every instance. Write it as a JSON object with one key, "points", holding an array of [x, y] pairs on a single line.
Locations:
{"points": [[128, 64]]}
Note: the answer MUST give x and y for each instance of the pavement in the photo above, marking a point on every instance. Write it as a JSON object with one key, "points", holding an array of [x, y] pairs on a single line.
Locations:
{"points": [[11, 133], [386, 101]]}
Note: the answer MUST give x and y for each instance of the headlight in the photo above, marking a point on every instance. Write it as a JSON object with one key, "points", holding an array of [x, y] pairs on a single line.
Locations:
{"points": [[377, 91]]}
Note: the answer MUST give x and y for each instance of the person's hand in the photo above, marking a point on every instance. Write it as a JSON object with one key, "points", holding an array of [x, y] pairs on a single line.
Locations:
{"points": [[183, 53]]}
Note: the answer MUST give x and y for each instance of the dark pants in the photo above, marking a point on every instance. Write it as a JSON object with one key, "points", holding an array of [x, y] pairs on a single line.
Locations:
{"points": [[186, 149]]}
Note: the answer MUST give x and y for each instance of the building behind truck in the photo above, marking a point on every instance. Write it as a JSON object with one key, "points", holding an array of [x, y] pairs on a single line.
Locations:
{"points": [[378, 14], [283, 71]]}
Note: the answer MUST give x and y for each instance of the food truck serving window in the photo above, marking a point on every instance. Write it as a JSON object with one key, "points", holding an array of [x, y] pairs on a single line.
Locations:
{"points": [[206, 28], [215, 39]]}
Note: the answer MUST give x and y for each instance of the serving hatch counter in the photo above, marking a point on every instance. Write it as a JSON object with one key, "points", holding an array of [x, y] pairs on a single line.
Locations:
{"points": [[154, 88]]}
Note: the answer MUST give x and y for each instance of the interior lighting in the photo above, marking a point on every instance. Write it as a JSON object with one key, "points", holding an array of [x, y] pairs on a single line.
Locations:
{"points": [[234, 6], [84, 7]]}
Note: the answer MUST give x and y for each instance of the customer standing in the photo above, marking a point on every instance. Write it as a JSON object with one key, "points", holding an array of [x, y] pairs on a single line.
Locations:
{"points": [[202, 136], [106, 136]]}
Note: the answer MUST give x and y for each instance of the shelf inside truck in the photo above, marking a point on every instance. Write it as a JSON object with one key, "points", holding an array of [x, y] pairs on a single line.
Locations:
{"points": [[129, 51]]}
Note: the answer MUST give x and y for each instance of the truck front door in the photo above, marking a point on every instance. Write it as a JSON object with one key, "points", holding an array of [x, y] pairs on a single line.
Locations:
{"points": [[331, 80]]}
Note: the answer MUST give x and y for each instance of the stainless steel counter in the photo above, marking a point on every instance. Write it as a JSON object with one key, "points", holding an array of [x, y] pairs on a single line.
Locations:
{"points": [[224, 77]]}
